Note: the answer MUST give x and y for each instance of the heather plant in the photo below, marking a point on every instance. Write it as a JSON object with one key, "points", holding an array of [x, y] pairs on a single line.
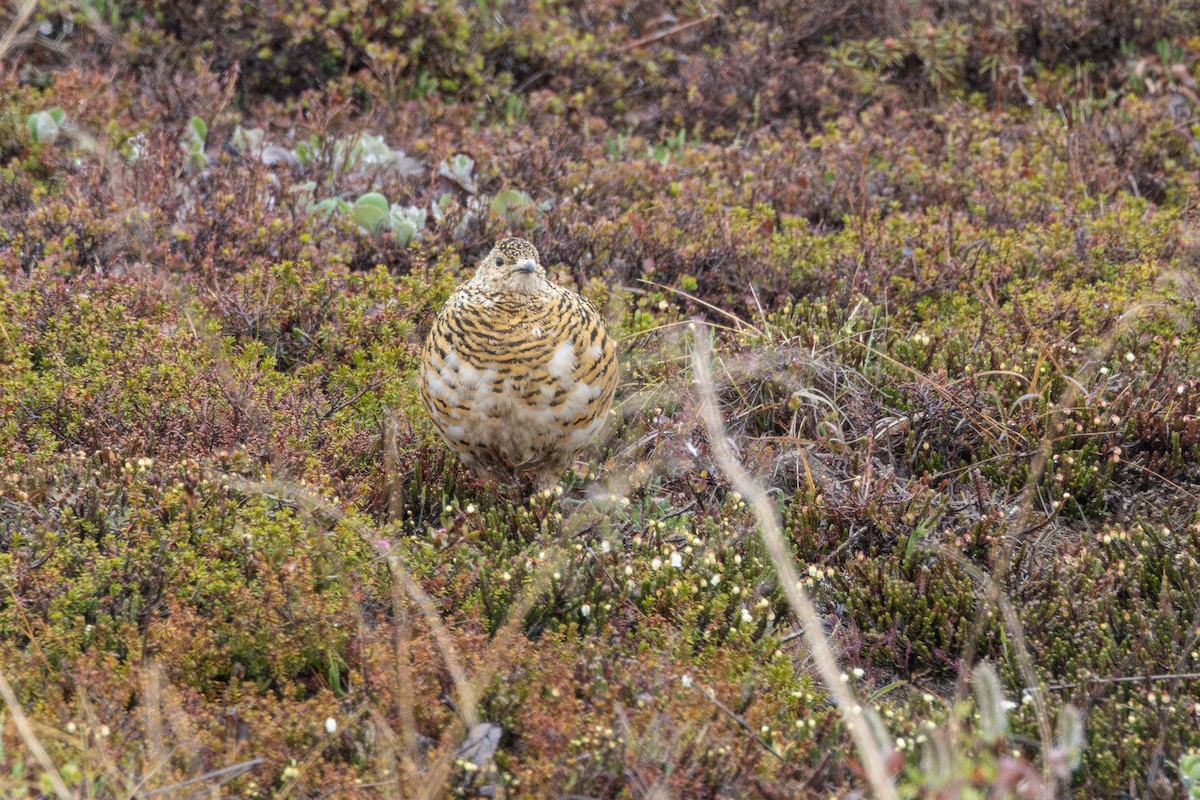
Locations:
{"points": [[943, 263]]}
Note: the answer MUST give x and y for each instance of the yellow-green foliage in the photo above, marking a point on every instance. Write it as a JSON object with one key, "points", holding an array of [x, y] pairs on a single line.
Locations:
{"points": [[937, 256]]}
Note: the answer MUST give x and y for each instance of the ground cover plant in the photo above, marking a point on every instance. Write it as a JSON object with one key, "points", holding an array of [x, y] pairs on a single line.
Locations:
{"points": [[927, 271]]}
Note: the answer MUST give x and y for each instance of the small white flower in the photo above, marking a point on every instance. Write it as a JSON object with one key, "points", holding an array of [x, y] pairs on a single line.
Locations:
{"points": [[330, 725], [857, 672], [676, 560], [746, 617], [585, 610], [715, 580], [656, 563], [1130, 357]]}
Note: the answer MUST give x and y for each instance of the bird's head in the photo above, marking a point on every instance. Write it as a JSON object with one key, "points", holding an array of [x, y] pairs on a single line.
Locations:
{"points": [[512, 266]]}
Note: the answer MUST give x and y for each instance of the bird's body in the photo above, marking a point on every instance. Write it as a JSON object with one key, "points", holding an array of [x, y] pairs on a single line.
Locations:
{"points": [[518, 373]]}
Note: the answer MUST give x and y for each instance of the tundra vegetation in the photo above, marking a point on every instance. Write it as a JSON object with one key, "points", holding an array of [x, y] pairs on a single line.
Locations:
{"points": [[940, 259]]}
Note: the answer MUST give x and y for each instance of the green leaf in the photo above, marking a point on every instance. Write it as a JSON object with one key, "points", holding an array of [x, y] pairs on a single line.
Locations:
{"points": [[44, 126], [406, 222], [306, 152], [371, 212], [196, 160], [192, 143], [198, 130], [1189, 774], [460, 168], [327, 208], [246, 140], [510, 205]]}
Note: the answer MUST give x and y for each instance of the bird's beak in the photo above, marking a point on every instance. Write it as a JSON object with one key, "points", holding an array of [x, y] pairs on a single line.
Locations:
{"points": [[526, 265]]}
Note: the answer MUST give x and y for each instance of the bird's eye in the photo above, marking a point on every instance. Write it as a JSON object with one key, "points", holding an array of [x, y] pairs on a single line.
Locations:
{"points": [[499, 261]]}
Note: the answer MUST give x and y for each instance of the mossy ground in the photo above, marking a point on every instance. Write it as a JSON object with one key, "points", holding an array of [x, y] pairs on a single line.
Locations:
{"points": [[951, 261]]}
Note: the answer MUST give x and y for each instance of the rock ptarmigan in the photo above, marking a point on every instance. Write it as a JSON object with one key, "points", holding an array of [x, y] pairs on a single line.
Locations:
{"points": [[518, 373]]}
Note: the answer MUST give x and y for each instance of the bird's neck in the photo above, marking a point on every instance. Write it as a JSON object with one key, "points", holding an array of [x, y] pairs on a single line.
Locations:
{"points": [[530, 287]]}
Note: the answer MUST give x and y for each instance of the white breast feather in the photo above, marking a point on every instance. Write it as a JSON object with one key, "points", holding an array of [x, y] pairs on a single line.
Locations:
{"points": [[562, 363]]}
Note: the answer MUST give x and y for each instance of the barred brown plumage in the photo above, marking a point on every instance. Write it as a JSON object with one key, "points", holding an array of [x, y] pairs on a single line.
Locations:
{"points": [[517, 373]]}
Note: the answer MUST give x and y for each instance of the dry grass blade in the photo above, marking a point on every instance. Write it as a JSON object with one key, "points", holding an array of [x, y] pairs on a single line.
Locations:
{"points": [[467, 689], [738, 322], [13, 32], [462, 684], [405, 699], [1037, 469], [316, 752], [1016, 632], [31, 741], [853, 715], [217, 777], [311, 503], [657, 35]]}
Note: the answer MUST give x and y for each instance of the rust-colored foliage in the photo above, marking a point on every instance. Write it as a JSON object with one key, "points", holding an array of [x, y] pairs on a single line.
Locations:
{"points": [[950, 255]]}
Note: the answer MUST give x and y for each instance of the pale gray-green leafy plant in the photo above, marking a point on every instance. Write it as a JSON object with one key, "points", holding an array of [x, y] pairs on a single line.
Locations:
{"points": [[194, 139], [250, 142], [373, 214], [948, 765], [1189, 775], [348, 155], [44, 126], [460, 168], [369, 151], [406, 222], [510, 205]]}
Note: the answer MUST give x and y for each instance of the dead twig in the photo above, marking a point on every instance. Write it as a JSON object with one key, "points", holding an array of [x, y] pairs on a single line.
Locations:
{"points": [[664, 33], [1165, 676], [711, 695], [221, 776]]}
